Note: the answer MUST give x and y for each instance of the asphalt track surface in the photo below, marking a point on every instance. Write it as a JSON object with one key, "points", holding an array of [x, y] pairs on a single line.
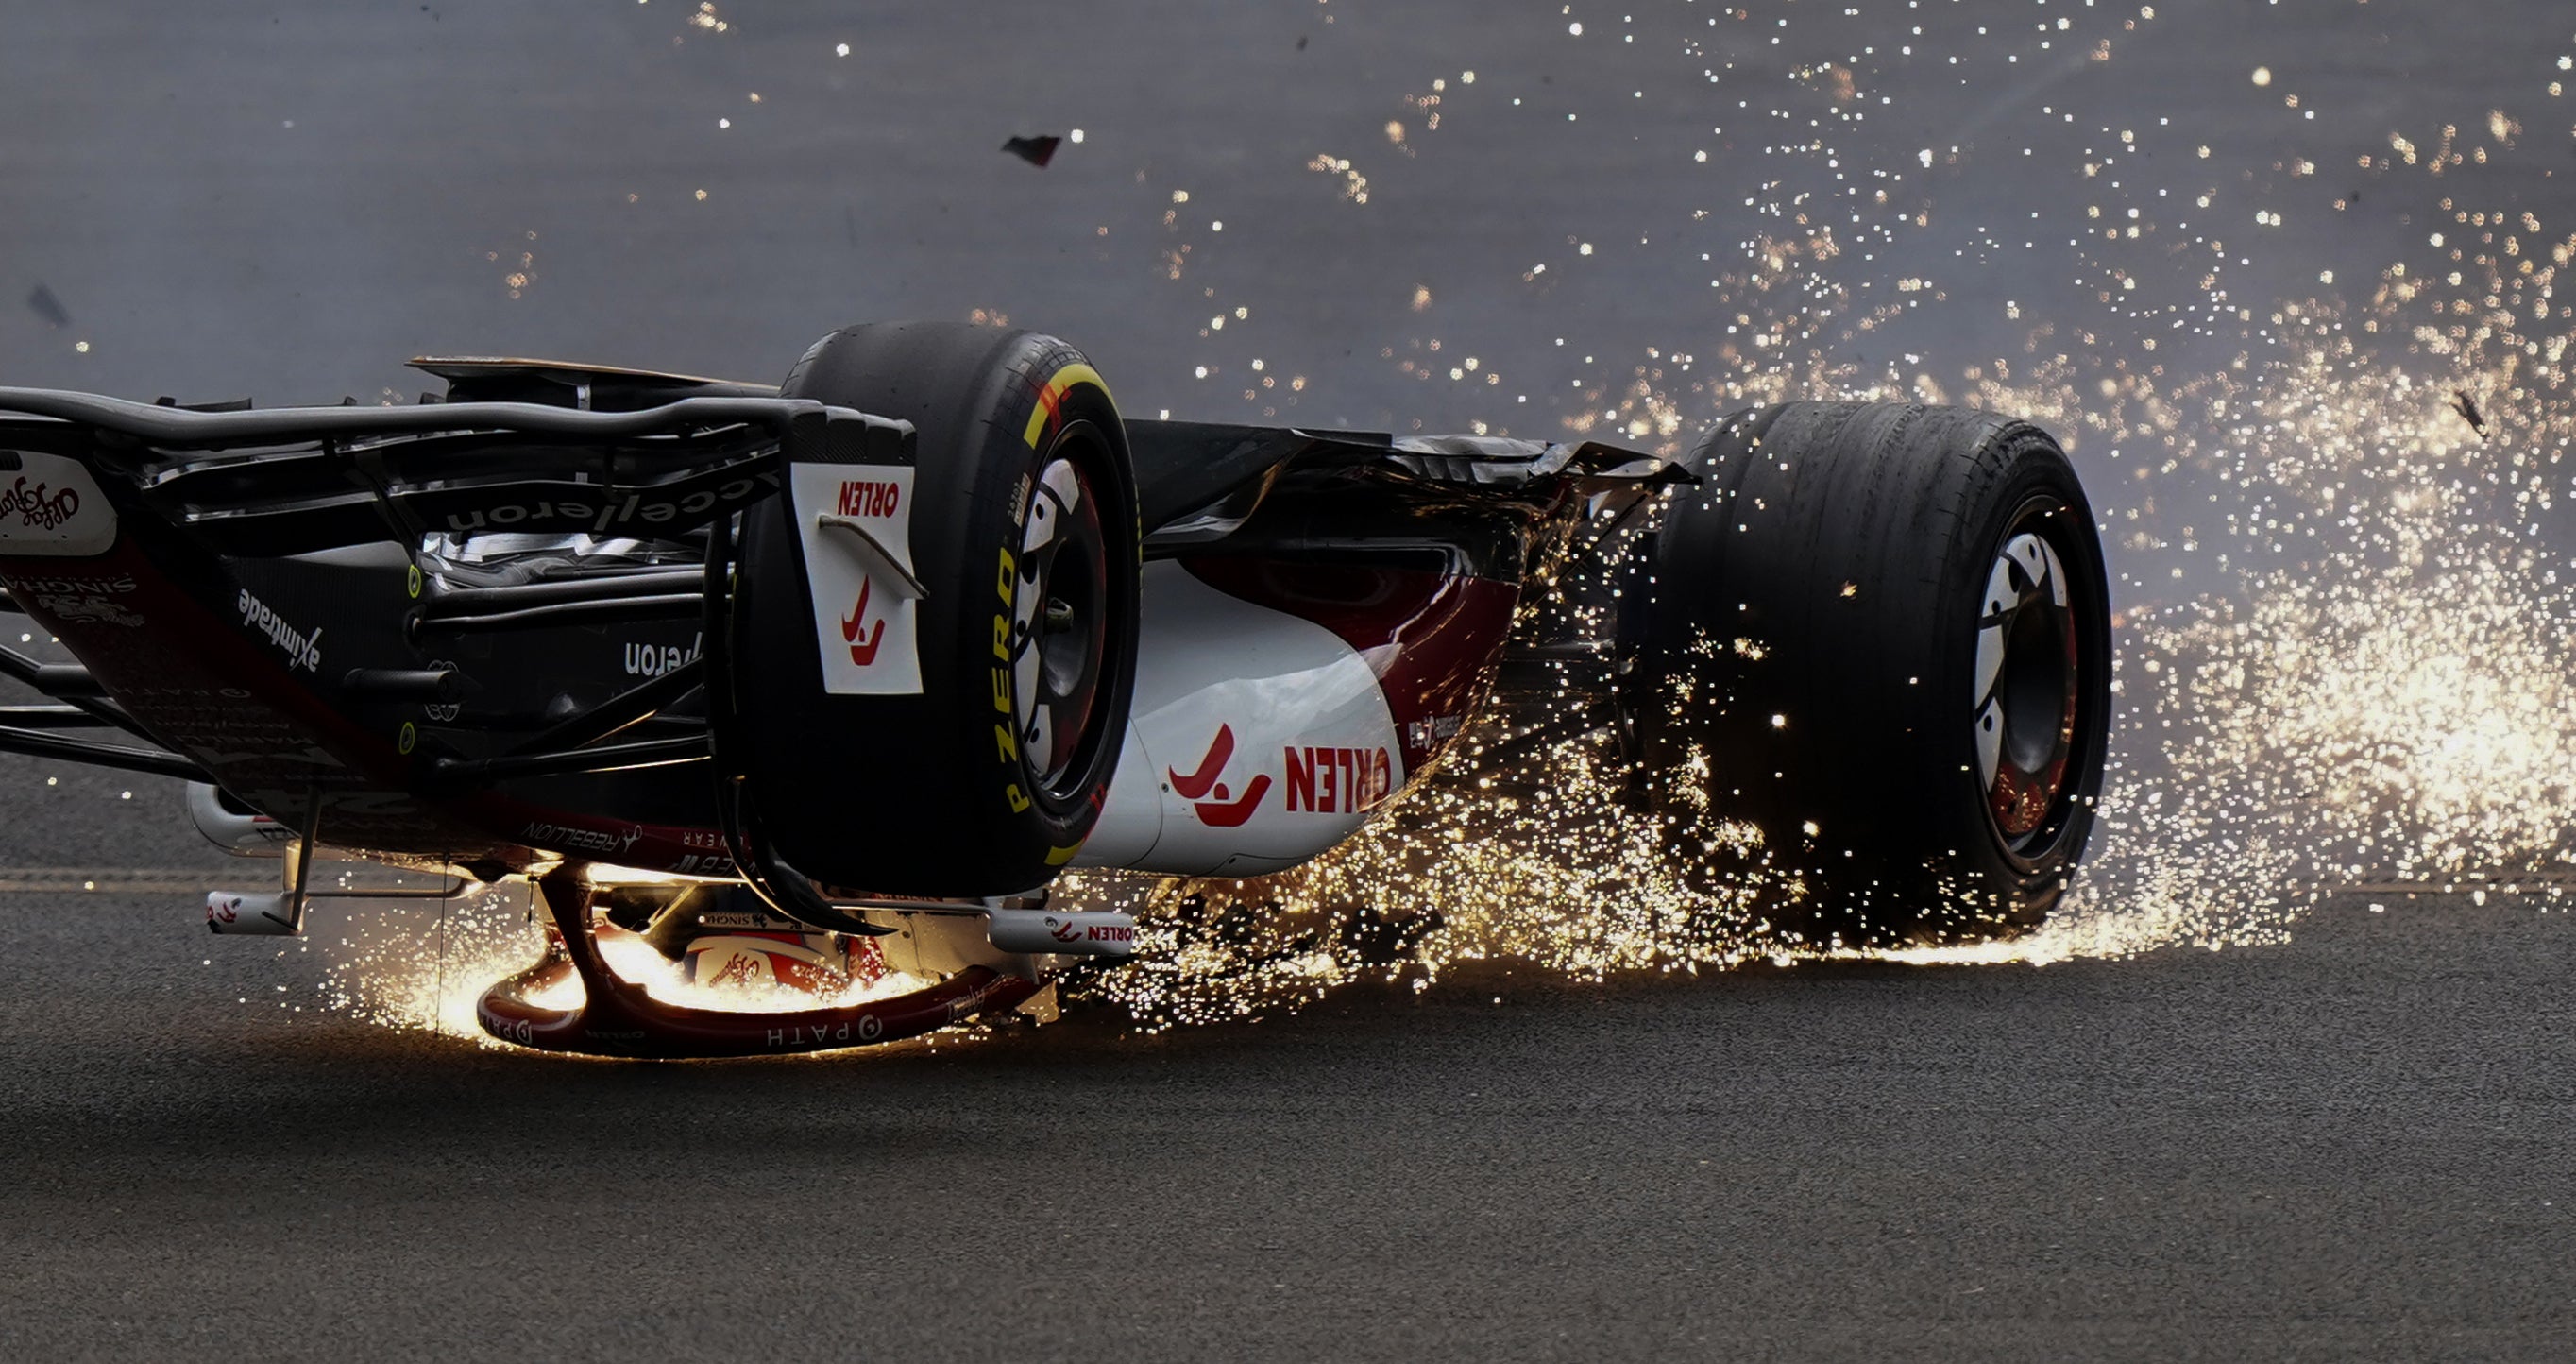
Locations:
{"points": [[2352, 1145]]}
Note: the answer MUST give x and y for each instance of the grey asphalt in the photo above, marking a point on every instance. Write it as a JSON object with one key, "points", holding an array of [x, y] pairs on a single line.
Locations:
{"points": [[2350, 1145]]}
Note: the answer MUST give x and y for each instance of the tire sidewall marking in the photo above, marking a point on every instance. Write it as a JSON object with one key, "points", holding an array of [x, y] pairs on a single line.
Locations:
{"points": [[1041, 433]]}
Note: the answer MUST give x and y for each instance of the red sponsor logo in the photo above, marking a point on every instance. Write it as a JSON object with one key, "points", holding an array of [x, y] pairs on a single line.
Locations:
{"points": [[862, 654], [870, 499], [815, 964], [1218, 808], [1070, 931], [33, 508], [1338, 781]]}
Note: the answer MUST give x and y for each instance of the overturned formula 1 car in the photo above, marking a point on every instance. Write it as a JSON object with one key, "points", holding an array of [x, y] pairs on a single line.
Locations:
{"points": [[823, 685]]}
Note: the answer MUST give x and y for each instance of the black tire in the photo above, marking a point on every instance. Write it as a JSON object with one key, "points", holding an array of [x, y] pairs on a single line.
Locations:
{"points": [[982, 784], [1811, 659]]}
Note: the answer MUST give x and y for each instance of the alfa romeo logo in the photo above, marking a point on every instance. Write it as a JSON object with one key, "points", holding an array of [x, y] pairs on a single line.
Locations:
{"points": [[33, 508]]}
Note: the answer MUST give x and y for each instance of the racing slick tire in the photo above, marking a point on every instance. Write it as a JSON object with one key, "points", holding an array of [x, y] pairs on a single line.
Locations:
{"points": [[1878, 638], [1025, 543]]}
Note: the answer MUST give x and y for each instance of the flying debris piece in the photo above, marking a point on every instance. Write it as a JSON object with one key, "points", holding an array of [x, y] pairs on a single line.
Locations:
{"points": [[1037, 151], [2467, 407], [49, 307]]}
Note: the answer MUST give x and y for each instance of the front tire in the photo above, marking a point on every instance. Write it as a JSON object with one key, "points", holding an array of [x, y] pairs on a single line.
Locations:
{"points": [[1024, 537], [1877, 641]]}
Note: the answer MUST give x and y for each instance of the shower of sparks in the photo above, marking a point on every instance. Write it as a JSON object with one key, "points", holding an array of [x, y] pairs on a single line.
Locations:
{"points": [[2337, 524], [413, 971], [2371, 679], [425, 972]]}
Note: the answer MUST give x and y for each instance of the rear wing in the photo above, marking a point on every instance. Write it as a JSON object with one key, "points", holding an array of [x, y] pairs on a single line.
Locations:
{"points": [[297, 480]]}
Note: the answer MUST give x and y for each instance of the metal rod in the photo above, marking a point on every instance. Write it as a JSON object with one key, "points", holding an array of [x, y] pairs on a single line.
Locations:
{"points": [[40, 745], [72, 683], [607, 758], [466, 601], [404, 684], [60, 680], [568, 613], [113, 714], [67, 680], [454, 887], [305, 848], [764, 872], [616, 714], [874, 557]]}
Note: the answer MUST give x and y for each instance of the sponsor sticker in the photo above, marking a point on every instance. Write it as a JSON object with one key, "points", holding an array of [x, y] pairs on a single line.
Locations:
{"points": [[1338, 780], [303, 648], [51, 508], [88, 584], [727, 918], [564, 837], [562, 507], [1320, 780], [653, 660], [866, 1028], [89, 609], [867, 628], [1070, 931], [1217, 806]]}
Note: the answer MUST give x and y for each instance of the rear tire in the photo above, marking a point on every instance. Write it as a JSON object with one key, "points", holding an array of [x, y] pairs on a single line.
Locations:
{"points": [[1878, 637], [1024, 536]]}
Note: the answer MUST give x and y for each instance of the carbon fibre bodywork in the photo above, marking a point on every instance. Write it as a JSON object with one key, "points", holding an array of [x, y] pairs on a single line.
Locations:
{"points": [[463, 633]]}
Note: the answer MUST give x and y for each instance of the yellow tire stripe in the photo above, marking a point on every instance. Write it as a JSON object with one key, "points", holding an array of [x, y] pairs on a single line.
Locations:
{"points": [[1049, 399], [1053, 395]]}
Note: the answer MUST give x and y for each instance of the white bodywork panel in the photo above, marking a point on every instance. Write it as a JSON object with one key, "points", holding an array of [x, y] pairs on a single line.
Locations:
{"points": [[51, 508], [864, 608], [1257, 739], [252, 835]]}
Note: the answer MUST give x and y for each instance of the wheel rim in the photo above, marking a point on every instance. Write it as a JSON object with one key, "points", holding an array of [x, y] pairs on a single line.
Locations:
{"points": [[2029, 681], [1060, 615]]}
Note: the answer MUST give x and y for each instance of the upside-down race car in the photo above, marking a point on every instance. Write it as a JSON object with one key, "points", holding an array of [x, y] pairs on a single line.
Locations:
{"points": [[822, 686]]}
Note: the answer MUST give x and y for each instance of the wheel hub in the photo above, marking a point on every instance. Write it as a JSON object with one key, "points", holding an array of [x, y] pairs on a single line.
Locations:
{"points": [[1060, 628], [2028, 682]]}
